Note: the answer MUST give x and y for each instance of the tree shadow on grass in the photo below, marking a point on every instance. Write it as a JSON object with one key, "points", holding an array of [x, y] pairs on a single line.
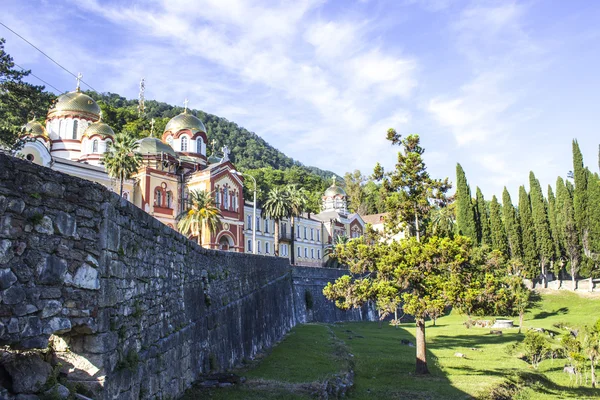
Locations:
{"points": [[474, 340], [546, 314]]}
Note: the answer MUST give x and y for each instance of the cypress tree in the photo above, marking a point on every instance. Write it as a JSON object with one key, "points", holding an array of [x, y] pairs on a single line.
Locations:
{"points": [[554, 231], [483, 219], [561, 193], [465, 213], [594, 221], [499, 239], [530, 256], [543, 238], [511, 226], [572, 239], [580, 202]]}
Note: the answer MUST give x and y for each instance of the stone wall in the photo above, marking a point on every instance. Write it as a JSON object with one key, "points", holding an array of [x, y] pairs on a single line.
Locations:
{"points": [[311, 304], [135, 309]]}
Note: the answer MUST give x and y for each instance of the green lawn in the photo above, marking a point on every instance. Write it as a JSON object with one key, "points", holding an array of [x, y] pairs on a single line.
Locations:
{"points": [[384, 366]]}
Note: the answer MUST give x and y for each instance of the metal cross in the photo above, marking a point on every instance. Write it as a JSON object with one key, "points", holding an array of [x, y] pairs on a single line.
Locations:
{"points": [[333, 178], [79, 76], [185, 103], [152, 128]]}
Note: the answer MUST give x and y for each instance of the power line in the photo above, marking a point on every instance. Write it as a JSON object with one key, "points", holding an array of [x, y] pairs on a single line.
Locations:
{"points": [[47, 56], [43, 81]]}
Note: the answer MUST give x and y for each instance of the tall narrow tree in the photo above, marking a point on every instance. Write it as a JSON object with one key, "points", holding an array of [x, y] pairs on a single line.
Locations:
{"points": [[298, 200], [277, 206], [543, 237], [572, 239], [511, 225], [594, 223], [499, 239], [561, 193], [465, 212], [530, 256], [554, 262], [483, 219], [580, 201]]}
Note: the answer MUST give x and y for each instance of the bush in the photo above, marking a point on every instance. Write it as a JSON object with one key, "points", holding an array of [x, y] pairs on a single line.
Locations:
{"points": [[536, 348]]}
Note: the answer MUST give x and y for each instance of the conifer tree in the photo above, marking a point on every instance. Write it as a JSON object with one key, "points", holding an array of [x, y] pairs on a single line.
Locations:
{"points": [[499, 239], [511, 225], [530, 256], [465, 212], [554, 231], [543, 238], [483, 219], [594, 222], [572, 239], [580, 202], [561, 193]]}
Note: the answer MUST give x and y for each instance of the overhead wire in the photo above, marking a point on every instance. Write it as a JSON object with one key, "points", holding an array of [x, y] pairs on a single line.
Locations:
{"points": [[40, 79], [47, 56]]}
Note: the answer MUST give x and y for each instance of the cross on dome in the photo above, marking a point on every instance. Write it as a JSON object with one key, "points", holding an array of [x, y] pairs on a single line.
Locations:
{"points": [[333, 179], [185, 103], [79, 76], [152, 127]]}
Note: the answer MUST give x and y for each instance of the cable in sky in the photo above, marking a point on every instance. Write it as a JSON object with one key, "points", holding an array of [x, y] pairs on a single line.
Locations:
{"points": [[40, 79], [47, 56]]}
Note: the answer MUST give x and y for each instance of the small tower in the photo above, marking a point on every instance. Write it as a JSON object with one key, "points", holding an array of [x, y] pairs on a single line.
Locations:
{"points": [[335, 199]]}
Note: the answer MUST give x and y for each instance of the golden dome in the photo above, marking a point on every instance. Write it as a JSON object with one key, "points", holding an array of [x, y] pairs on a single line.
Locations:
{"points": [[34, 128], [153, 146], [99, 128], [76, 103], [185, 120]]}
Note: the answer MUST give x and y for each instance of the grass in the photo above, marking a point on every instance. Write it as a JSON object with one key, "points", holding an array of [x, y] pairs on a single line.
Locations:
{"points": [[384, 365]]}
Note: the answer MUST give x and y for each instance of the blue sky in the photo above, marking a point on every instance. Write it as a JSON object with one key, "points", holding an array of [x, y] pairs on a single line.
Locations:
{"points": [[500, 86]]}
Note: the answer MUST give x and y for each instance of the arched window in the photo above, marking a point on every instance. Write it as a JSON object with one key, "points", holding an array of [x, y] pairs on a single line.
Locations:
{"points": [[158, 198], [169, 199], [226, 198], [184, 143], [125, 196], [312, 253], [318, 236], [266, 225], [305, 252], [257, 223], [319, 254], [199, 145], [299, 253], [298, 231], [95, 146], [249, 222], [75, 124], [224, 243], [267, 247], [312, 234], [61, 126], [305, 233], [258, 246], [249, 247]]}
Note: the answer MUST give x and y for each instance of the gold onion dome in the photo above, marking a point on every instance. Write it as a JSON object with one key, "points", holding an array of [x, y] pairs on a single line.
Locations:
{"points": [[334, 190], [75, 103], [185, 120], [154, 146], [99, 128], [34, 128]]}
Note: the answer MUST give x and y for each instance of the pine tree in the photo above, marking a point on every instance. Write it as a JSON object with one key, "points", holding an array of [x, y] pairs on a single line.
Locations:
{"points": [[580, 202], [465, 213], [499, 239], [511, 226], [539, 213], [483, 219], [530, 256], [554, 231]]}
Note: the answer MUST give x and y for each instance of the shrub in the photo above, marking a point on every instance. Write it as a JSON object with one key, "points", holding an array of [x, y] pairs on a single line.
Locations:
{"points": [[536, 348]]}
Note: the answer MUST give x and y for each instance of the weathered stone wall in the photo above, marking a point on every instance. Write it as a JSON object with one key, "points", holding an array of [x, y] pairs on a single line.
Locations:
{"points": [[137, 310], [310, 303]]}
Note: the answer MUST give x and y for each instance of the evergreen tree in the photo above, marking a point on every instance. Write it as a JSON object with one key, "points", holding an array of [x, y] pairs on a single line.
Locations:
{"points": [[465, 213], [483, 219], [277, 206], [511, 226], [580, 201], [554, 231], [561, 193], [543, 237], [572, 239], [530, 256], [594, 222], [498, 234]]}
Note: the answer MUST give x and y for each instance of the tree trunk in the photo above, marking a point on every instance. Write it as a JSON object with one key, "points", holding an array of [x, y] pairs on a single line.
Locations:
{"points": [[421, 368], [520, 320], [544, 281], [593, 372], [121, 190], [276, 238], [293, 252], [573, 282], [591, 284], [417, 232]]}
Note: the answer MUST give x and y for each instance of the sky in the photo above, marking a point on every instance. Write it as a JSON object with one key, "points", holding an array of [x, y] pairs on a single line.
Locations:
{"points": [[502, 87]]}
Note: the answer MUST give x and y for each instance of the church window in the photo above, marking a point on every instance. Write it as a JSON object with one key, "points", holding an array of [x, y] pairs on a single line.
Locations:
{"points": [[298, 231], [312, 253], [226, 198], [267, 247], [95, 146], [75, 123], [184, 143], [199, 145], [235, 202], [312, 234], [257, 223], [266, 226], [157, 198], [249, 222], [318, 236], [299, 253], [258, 246], [249, 247], [169, 199], [305, 233], [125, 196], [218, 199], [305, 252], [319, 254]]}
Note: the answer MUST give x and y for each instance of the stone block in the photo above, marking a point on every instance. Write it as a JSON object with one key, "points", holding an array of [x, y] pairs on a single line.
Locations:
{"points": [[44, 226], [86, 277], [53, 271], [57, 325], [6, 251], [13, 295], [7, 278], [28, 372], [100, 343], [16, 206], [33, 327], [58, 392]]}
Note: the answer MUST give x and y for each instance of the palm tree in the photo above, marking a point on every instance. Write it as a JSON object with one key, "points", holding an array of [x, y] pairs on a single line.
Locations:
{"points": [[442, 221], [120, 160], [277, 206], [298, 199], [201, 213], [332, 262]]}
